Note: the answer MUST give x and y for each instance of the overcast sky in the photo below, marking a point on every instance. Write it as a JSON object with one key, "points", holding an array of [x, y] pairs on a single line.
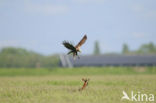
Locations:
{"points": [[42, 25]]}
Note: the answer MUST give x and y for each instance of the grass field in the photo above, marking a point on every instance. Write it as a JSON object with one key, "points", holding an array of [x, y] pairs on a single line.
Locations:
{"points": [[61, 85]]}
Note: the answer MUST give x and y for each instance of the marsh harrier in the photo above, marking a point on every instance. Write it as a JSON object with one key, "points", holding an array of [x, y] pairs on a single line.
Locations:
{"points": [[74, 49]]}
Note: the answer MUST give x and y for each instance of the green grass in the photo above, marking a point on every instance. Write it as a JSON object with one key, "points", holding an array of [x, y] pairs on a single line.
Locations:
{"points": [[61, 85], [77, 71]]}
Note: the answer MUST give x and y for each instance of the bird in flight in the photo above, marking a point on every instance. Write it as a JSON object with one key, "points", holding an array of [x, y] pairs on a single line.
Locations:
{"points": [[75, 49]]}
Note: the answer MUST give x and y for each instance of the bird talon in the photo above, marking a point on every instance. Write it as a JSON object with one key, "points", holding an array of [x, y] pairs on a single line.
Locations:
{"points": [[78, 57]]}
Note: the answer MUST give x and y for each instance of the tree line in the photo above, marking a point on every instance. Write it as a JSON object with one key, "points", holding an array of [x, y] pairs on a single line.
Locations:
{"points": [[148, 48], [18, 57], [144, 49]]}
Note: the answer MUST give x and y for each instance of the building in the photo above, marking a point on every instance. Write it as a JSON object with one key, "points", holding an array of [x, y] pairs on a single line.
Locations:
{"points": [[103, 60]]}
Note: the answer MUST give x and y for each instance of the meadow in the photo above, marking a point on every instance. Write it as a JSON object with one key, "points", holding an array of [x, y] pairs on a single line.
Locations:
{"points": [[60, 85]]}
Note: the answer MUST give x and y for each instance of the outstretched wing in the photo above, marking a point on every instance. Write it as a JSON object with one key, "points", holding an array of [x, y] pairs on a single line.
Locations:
{"points": [[68, 45], [81, 42]]}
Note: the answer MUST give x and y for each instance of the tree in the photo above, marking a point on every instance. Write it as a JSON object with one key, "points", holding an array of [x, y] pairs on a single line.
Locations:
{"points": [[147, 48], [151, 47], [125, 49], [96, 48]]}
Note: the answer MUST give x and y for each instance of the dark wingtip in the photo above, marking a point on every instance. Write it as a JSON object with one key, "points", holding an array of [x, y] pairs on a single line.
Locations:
{"points": [[85, 35], [64, 42]]}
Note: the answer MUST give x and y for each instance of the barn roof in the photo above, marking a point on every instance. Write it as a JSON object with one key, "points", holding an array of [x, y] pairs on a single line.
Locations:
{"points": [[112, 60]]}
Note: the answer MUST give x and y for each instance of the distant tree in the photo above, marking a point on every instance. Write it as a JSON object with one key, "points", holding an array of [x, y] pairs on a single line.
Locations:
{"points": [[151, 47], [147, 48], [96, 48], [125, 49]]}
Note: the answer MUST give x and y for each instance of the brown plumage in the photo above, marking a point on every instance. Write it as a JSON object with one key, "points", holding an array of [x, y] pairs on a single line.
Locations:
{"points": [[75, 49], [80, 43], [84, 84]]}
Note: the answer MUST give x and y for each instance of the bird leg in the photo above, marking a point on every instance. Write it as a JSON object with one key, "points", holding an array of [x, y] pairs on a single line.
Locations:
{"points": [[78, 56]]}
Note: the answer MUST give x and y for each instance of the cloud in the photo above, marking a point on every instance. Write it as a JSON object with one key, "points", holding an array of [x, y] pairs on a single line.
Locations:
{"points": [[138, 35], [36, 7], [137, 8], [144, 11], [151, 14], [46, 9]]}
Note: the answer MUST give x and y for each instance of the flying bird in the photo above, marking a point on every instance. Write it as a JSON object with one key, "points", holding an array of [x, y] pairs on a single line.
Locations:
{"points": [[75, 49]]}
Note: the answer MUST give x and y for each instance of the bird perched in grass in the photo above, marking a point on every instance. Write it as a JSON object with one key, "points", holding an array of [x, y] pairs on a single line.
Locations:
{"points": [[75, 49]]}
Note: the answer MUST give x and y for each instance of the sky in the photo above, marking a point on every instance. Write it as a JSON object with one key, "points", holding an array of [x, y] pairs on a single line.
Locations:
{"points": [[42, 25]]}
